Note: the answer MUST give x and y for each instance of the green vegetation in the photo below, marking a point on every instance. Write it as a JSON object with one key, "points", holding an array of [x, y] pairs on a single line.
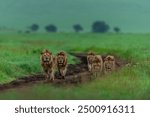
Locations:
{"points": [[20, 56]]}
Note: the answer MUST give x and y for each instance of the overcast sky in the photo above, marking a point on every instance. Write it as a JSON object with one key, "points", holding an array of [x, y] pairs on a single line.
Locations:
{"points": [[129, 15]]}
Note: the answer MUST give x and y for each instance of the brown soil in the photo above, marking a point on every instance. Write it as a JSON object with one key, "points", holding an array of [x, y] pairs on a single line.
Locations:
{"points": [[77, 73]]}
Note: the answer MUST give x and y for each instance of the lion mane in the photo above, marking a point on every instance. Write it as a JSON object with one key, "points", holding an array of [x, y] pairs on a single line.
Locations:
{"points": [[62, 63], [48, 64], [95, 62], [109, 64]]}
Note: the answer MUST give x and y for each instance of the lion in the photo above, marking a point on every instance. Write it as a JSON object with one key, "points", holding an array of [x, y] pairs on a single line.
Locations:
{"points": [[95, 63], [62, 63], [109, 64], [48, 64]]}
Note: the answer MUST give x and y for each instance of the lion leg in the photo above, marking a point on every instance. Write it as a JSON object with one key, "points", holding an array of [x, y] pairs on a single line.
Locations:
{"points": [[94, 74], [59, 72], [51, 74], [105, 71], [62, 73], [52, 77], [101, 68], [46, 76], [89, 68]]}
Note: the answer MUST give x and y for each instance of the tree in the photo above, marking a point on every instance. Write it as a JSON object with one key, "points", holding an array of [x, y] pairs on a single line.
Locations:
{"points": [[77, 28], [34, 27], [51, 28], [117, 29], [100, 27], [27, 31]]}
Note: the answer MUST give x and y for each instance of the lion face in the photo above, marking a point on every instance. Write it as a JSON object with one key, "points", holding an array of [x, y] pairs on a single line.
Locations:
{"points": [[46, 57], [95, 62], [109, 62], [90, 57], [61, 58]]}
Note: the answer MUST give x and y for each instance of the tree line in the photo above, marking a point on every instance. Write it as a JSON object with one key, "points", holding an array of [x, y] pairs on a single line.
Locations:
{"points": [[97, 27]]}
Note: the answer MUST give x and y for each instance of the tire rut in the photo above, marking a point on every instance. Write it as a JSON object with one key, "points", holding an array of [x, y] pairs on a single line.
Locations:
{"points": [[76, 74]]}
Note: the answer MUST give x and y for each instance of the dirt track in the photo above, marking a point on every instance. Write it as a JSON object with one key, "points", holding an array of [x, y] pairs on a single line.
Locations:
{"points": [[76, 74]]}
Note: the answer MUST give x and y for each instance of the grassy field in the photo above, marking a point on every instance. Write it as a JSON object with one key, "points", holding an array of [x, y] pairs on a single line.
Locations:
{"points": [[20, 56]]}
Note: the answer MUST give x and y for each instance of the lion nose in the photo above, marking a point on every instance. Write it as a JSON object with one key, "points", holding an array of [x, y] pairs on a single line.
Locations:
{"points": [[47, 59], [60, 61]]}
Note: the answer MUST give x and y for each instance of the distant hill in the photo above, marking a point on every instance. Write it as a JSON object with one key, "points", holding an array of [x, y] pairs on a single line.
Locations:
{"points": [[129, 15]]}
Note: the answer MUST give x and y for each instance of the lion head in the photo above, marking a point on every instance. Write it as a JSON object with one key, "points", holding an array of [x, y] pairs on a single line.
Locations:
{"points": [[61, 58], [90, 57], [46, 57], [109, 62]]}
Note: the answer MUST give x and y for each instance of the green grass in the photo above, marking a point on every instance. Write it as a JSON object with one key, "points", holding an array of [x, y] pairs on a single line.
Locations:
{"points": [[20, 56]]}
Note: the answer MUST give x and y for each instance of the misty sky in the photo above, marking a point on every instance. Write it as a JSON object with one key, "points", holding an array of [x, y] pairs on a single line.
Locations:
{"points": [[129, 15]]}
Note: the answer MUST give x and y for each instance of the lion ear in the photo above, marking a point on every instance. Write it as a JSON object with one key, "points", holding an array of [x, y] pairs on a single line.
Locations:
{"points": [[63, 53], [105, 59], [41, 53], [112, 59], [46, 50], [109, 58]]}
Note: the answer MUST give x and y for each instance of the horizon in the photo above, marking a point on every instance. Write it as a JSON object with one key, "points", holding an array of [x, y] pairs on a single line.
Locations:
{"points": [[130, 16]]}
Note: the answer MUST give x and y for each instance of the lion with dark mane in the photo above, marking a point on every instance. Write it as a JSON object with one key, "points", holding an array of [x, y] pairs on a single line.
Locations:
{"points": [[62, 63]]}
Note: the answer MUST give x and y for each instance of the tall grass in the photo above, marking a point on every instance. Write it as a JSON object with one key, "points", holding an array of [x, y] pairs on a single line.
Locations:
{"points": [[20, 56]]}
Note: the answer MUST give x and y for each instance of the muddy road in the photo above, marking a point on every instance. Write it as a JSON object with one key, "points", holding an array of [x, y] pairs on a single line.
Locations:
{"points": [[76, 74]]}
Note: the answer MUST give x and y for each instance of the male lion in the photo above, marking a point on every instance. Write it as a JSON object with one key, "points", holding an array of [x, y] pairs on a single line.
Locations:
{"points": [[48, 64], [62, 63], [109, 64], [95, 63]]}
